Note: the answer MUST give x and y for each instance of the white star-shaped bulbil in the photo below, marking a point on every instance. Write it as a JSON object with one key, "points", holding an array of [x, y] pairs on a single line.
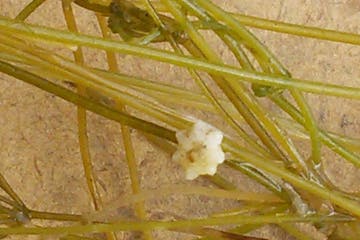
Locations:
{"points": [[199, 150]]}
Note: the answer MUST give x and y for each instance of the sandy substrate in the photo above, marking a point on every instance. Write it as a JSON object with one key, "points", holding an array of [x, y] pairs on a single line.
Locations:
{"points": [[38, 133]]}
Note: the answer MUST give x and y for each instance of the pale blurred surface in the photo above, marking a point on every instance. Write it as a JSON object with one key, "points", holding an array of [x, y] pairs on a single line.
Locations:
{"points": [[38, 133]]}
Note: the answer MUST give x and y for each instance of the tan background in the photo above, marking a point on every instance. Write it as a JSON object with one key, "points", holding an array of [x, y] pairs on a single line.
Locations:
{"points": [[38, 135]]}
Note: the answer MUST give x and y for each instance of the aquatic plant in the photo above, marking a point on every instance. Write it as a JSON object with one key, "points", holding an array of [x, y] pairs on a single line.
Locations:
{"points": [[260, 143]]}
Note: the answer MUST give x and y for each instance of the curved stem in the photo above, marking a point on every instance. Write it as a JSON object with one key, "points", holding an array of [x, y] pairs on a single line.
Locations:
{"points": [[269, 63], [30, 8], [327, 139], [189, 45], [283, 27], [237, 93]]}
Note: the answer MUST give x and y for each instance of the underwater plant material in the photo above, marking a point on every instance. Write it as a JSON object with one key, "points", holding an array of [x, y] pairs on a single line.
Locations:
{"points": [[101, 2], [199, 150]]}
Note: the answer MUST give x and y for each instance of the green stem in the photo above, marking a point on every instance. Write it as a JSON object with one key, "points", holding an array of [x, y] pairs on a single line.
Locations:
{"points": [[87, 103], [61, 37], [30, 8], [310, 125], [93, 6], [126, 135], [189, 45], [173, 94], [82, 76], [299, 30], [8, 189], [328, 140], [311, 187], [237, 93], [81, 115], [55, 216], [181, 224], [309, 122], [269, 63], [259, 177], [294, 29]]}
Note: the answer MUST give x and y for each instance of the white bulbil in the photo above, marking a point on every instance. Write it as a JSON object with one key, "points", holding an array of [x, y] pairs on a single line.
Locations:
{"points": [[199, 150]]}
